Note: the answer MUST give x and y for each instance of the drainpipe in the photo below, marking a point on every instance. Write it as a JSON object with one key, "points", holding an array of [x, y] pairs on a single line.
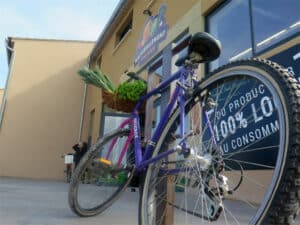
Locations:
{"points": [[4, 98], [83, 107], [82, 112]]}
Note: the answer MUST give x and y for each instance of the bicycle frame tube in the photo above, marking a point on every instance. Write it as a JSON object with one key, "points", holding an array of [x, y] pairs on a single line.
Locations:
{"points": [[133, 122], [182, 112], [145, 160], [161, 87], [178, 94], [157, 133], [126, 122], [171, 151]]}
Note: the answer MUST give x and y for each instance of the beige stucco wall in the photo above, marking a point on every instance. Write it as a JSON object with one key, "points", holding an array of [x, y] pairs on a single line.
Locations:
{"points": [[42, 115], [1, 95]]}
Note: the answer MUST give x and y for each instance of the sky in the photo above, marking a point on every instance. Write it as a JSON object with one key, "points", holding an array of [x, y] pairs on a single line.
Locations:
{"points": [[51, 19]]}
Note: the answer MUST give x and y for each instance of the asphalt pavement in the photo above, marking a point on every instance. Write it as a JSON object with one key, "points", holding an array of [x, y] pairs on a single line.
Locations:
{"points": [[36, 202], [32, 202]]}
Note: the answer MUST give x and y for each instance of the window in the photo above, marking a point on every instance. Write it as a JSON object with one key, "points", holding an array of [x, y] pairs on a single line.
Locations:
{"points": [[248, 27], [180, 49], [111, 121], [274, 21], [124, 29], [231, 25], [153, 107]]}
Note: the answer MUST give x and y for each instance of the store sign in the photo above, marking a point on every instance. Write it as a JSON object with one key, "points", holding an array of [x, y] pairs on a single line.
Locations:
{"points": [[244, 123], [154, 32], [290, 59]]}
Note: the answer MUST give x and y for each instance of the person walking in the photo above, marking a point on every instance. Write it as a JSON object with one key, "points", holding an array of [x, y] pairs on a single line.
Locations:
{"points": [[80, 149]]}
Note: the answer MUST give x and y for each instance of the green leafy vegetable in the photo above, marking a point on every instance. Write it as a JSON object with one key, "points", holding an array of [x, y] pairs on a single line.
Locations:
{"points": [[131, 90], [97, 78], [127, 91]]}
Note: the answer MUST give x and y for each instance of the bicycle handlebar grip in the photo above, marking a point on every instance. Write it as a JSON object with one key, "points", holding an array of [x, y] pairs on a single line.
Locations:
{"points": [[133, 75]]}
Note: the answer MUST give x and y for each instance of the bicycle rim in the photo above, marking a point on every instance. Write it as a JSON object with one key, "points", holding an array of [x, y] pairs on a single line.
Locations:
{"points": [[68, 174], [250, 119], [99, 180]]}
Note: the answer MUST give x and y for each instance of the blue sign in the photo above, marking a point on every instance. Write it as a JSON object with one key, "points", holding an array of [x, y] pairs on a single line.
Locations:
{"points": [[245, 121], [154, 32]]}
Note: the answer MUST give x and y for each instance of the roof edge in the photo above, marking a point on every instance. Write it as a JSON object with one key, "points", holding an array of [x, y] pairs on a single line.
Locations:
{"points": [[48, 39], [113, 21]]}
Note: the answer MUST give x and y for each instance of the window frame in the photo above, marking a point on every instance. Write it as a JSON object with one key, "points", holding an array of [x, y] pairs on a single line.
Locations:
{"points": [[105, 113], [275, 43], [91, 126], [124, 29], [215, 11], [254, 52]]}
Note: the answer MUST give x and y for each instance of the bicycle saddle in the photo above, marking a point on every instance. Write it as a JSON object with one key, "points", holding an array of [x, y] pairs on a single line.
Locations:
{"points": [[205, 44]]}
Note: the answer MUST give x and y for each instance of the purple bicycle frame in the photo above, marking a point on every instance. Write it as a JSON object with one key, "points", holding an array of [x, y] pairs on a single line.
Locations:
{"points": [[143, 161]]}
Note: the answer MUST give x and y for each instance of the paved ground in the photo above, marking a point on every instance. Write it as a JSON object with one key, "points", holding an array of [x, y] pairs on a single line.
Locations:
{"points": [[29, 202]]}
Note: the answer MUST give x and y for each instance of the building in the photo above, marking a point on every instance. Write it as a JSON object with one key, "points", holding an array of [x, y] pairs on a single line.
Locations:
{"points": [[41, 106], [245, 28], [132, 41], [141, 36], [115, 50]]}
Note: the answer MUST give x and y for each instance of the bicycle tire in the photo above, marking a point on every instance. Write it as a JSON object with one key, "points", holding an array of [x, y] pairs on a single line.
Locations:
{"points": [[68, 174], [97, 185], [280, 204]]}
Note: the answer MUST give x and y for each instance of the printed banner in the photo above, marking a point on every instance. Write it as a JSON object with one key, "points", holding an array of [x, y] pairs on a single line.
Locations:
{"points": [[154, 32], [245, 124]]}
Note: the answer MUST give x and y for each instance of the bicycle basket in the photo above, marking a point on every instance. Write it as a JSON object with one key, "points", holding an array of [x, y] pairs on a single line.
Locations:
{"points": [[113, 102]]}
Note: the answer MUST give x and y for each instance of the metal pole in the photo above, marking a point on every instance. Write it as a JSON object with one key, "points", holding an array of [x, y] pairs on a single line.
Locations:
{"points": [[11, 61], [82, 112]]}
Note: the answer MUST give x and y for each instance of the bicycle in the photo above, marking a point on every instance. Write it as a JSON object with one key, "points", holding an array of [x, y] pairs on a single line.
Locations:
{"points": [[214, 140], [69, 166]]}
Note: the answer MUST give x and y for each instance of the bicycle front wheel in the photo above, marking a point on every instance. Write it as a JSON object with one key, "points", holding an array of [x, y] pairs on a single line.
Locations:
{"points": [[100, 177], [241, 165]]}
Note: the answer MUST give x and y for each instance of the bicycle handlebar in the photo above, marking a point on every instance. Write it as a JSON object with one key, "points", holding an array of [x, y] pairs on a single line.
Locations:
{"points": [[133, 75], [62, 156]]}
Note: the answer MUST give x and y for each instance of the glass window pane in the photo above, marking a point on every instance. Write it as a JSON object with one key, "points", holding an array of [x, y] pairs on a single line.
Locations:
{"points": [[274, 21], [175, 57], [154, 79], [112, 122], [231, 25]]}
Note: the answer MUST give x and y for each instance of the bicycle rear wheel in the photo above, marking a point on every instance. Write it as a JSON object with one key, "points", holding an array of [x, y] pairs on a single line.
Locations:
{"points": [[68, 173], [243, 161], [99, 180]]}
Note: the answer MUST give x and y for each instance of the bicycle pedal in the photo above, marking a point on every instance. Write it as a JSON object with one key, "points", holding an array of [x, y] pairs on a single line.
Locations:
{"points": [[105, 161]]}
